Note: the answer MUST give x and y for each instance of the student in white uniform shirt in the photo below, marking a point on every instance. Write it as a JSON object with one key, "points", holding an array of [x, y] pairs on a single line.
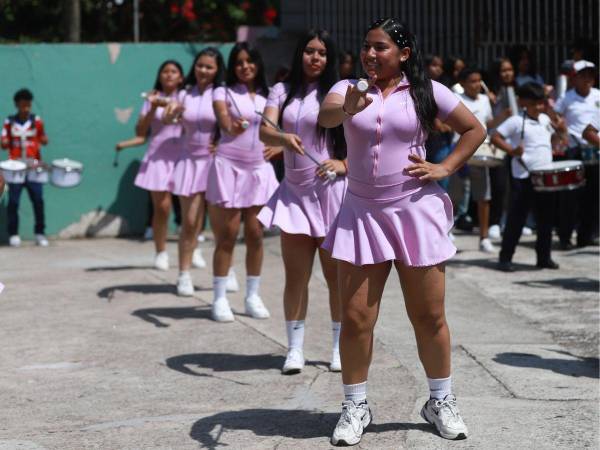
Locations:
{"points": [[579, 106], [532, 132], [479, 105]]}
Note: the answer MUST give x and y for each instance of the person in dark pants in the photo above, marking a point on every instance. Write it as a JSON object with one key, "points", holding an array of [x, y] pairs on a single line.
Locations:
{"points": [[22, 135], [532, 133]]}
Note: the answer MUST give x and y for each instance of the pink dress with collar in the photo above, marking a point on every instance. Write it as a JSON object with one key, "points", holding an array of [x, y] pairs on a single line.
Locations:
{"points": [[388, 215], [199, 127], [156, 170], [239, 176], [304, 203]]}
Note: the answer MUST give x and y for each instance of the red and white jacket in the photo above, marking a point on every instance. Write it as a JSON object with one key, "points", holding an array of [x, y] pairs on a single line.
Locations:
{"points": [[29, 135]]}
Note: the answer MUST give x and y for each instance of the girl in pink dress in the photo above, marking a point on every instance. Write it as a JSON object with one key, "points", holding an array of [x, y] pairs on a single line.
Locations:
{"points": [[395, 214], [306, 202], [191, 170], [239, 178], [156, 171]]}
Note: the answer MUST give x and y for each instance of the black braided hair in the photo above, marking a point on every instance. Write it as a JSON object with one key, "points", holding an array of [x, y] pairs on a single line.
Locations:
{"points": [[421, 89]]}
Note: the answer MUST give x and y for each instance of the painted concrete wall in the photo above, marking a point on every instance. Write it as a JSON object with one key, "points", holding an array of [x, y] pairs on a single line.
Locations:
{"points": [[89, 98]]}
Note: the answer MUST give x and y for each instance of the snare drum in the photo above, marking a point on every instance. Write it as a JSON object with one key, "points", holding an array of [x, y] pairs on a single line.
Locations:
{"points": [[590, 156], [37, 171], [66, 173], [558, 176], [14, 171], [487, 156]]}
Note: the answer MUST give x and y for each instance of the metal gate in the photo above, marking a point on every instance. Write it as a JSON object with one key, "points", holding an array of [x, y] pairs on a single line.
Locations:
{"points": [[477, 30]]}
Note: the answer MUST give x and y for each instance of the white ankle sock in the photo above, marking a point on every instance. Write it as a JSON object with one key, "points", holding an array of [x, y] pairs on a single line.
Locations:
{"points": [[295, 334], [439, 387], [356, 392], [252, 285], [184, 273], [219, 287], [335, 329]]}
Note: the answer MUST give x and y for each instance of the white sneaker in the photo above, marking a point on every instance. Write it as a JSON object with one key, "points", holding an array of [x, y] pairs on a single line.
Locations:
{"points": [[232, 282], [201, 237], [221, 312], [494, 232], [336, 363], [446, 418], [294, 362], [526, 231], [352, 423], [14, 240], [41, 240], [485, 245], [161, 261], [148, 234], [256, 308], [185, 287], [198, 260]]}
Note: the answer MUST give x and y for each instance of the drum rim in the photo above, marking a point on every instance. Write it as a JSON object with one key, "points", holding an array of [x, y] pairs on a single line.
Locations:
{"points": [[564, 187], [563, 170]]}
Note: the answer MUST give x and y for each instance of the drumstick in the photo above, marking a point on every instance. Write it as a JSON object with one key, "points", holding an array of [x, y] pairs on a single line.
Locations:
{"points": [[245, 123], [519, 159], [330, 174]]}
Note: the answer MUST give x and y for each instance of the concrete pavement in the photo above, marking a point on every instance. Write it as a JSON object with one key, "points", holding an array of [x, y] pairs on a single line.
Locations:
{"points": [[99, 352]]}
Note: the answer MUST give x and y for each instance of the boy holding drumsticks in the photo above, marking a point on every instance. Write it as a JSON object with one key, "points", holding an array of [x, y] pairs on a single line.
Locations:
{"points": [[22, 135], [530, 147]]}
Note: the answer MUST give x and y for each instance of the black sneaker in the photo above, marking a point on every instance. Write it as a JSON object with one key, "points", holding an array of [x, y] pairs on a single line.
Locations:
{"points": [[566, 246], [505, 266], [548, 265]]}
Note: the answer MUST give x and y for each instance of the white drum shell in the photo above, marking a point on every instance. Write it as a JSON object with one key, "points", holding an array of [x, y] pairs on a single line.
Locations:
{"points": [[65, 175], [40, 175], [15, 174]]}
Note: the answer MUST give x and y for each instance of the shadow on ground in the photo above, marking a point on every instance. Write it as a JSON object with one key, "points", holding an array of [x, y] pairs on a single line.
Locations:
{"points": [[578, 284], [491, 264], [153, 315], [109, 292], [193, 363], [580, 367], [290, 424], [116, 268]]}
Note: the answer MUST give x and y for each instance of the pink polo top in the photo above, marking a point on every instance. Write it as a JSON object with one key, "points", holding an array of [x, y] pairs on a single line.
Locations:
{"points": [[161, 135], [300, 117], [198, 120], [247, 146], [381, 137]]}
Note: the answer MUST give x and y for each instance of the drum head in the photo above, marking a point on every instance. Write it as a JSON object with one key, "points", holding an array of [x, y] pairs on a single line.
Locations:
{"points": [[13, 164], [66, 163]]}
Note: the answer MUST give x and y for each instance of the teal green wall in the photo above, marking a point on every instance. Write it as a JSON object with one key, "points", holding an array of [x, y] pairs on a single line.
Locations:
{"points": [[76, 89]]}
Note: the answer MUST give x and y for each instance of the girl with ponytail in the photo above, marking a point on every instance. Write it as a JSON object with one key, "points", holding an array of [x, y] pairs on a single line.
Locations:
{"points": [[395, 214]]}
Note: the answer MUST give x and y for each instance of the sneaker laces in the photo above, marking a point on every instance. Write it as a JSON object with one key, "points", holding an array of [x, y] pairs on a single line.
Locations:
{"points": [[448, 408], [349, 416]]}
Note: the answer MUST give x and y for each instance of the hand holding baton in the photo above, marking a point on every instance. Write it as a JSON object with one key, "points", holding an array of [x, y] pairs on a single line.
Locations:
{"points": [[245, 123], [330, 174]]}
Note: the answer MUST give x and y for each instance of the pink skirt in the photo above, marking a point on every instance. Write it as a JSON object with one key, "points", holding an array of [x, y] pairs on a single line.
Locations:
{"points": [[239, 184], [304, 203], [406, 222], [190, 175], [158, 165]]}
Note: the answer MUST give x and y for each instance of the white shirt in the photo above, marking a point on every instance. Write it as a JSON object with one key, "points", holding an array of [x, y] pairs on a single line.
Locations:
{"points": [[537, 146], [579, 112], [480, 107]]}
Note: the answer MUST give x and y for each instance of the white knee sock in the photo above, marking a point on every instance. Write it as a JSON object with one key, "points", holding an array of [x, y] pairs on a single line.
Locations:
{"points": [[335, 329], [219, 287], [439, 388], [295, 334], [356, 392], [252, 285]]}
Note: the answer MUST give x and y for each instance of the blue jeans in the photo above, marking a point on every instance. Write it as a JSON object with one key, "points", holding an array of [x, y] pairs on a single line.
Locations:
{"points": [[35, 195]]}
